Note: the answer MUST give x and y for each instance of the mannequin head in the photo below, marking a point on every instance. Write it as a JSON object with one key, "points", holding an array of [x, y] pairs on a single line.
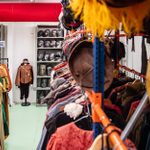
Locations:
{"points": [[25, 61]]}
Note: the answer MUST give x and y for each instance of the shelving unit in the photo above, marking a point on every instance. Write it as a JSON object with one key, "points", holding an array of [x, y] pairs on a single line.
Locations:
{"points": [[49, 48], [50, 37], [43, 77], [41, 89], [49, 54], [48, 61]]}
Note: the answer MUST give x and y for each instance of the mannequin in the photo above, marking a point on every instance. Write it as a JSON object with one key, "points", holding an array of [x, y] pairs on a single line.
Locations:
{"points": [[24, 78]]}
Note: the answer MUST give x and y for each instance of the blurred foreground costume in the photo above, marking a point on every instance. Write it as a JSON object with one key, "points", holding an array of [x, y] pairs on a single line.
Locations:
{"points": [[115, 11]]}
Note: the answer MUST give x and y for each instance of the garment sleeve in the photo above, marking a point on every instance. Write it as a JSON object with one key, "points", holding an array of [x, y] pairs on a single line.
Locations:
{"points": [[55, 143], [51, 143], [18, 77]]}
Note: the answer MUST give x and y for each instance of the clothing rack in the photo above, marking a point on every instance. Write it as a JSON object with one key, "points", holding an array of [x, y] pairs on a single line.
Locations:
{"points": [[76, 33], [109, 34], [134, 117], [124, 35], [99, 118], [96, 97], [139, 109], [131, 70]]}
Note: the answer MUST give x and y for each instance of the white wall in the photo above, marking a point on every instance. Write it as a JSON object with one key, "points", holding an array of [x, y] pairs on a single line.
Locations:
{"points": [[133, 59], [21, 44]]}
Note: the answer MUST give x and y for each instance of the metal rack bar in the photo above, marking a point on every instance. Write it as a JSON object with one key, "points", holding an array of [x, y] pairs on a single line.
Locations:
{"points": [[134, 117], [131, 70], [98, 75], [100, 119], [99, 64]]}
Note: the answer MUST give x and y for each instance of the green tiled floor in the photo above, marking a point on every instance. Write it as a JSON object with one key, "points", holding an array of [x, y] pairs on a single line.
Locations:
{"points": [[25, 127]]}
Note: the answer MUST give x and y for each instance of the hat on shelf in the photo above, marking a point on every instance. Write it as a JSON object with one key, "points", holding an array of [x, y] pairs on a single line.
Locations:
{"points": [[47, 43], [46, 33], [40, 43], [40, 33]]}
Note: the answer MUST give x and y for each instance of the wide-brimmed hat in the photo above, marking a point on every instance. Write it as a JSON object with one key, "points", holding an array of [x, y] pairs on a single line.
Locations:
{"points": [[80, 62]]}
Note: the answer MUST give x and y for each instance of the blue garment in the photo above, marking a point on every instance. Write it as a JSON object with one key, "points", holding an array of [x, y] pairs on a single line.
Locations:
{"points": [[44, 131], [97, 128]]}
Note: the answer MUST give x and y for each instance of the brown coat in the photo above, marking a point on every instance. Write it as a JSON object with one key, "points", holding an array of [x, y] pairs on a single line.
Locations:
{"points": [[24, 74]]}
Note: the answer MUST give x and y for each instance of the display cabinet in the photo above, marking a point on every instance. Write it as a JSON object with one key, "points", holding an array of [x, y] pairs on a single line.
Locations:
{"points": [[49, 54]]}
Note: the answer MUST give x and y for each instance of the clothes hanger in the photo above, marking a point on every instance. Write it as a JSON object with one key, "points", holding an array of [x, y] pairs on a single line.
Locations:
{"points": [[87, 114]]}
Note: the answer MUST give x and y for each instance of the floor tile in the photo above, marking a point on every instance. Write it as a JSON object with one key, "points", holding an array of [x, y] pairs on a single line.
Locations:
{"points": [[25, 127]]}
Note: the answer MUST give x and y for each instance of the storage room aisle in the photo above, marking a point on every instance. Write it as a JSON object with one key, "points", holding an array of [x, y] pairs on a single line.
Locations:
{"points": [[25, 127]]}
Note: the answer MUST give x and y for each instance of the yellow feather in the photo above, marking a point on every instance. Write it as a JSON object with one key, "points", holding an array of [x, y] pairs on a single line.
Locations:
{"points": [[98, 17]]}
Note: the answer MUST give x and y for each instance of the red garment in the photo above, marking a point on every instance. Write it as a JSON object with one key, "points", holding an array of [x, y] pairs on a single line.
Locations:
{"points": [[133, 107], [70, 137], [113, 107]]}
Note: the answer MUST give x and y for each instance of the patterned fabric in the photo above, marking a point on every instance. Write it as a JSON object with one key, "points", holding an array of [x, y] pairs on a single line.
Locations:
{"points": [[4, 74], [70, 137]]}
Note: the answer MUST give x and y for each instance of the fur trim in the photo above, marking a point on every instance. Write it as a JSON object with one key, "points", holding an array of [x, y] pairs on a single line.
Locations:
{"points": [[73, 110]]}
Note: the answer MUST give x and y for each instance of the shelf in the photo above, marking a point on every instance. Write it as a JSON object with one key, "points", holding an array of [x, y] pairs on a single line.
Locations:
{"points": [[53, 48], [48, 26], [49, 48], [43, 77], [48, 61], [42, 89], [50, 37]]}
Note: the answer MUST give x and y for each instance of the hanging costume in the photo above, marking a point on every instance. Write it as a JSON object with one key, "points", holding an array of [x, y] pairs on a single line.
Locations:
{"points": [[1, 120], [5, 87], [23, 79], [108, 14]]}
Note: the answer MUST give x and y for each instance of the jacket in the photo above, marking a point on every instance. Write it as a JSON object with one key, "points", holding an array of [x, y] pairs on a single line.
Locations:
{"points": [[24, 74]]}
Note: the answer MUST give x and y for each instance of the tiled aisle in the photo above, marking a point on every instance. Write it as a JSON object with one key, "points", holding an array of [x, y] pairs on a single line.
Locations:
{"points": [[25, 127]]}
